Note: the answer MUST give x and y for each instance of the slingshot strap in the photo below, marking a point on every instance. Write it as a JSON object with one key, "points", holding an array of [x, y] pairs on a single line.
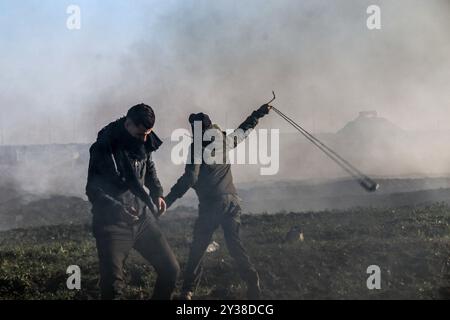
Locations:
{"points": [[344, 164]]}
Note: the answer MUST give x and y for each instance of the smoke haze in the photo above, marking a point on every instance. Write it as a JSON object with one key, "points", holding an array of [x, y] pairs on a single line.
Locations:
{"points": [[224, 58]]}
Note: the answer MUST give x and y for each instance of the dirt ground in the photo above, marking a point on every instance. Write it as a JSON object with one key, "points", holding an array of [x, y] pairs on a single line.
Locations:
{"points": [[411, 245]]}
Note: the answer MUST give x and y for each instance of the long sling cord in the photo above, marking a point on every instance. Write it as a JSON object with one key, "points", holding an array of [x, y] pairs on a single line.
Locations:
{"points": [[366, 182]]}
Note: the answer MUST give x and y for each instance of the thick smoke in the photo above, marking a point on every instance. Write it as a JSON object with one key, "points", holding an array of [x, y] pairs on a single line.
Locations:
{"points": [[224, 58]]}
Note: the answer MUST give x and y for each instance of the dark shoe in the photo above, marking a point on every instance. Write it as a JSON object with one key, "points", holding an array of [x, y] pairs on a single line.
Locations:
{"points": [[186, 295]]}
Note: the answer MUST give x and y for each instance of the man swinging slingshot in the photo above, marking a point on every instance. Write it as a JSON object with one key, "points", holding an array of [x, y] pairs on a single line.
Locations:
{"points": [[218, 201]]}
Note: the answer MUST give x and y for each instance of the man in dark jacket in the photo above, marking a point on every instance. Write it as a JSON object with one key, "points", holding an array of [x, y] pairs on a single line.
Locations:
{"points": [[119, 168], [219, 204]]}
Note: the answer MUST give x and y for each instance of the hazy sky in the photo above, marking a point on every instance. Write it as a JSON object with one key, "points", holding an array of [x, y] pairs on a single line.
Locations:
{"points": [[223, 57]]}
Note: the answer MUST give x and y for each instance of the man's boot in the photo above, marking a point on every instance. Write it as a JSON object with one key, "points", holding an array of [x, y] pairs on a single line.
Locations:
{"points": [[186, 295]]}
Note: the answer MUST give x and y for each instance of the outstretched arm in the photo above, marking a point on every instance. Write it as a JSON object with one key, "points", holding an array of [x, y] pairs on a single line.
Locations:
{"points": [[186, 181], [246, 127]]}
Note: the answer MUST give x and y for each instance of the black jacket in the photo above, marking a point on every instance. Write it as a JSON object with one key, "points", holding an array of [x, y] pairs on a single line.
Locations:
{"points": [[213, 180], [114, 174]]}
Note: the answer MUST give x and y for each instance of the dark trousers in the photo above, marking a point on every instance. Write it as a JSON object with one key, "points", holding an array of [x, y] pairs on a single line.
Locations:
{"points": [[115, 241], [225, 212]]}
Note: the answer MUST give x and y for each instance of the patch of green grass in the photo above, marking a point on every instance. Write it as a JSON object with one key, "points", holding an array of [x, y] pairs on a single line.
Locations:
{"points": [[410, 244]]}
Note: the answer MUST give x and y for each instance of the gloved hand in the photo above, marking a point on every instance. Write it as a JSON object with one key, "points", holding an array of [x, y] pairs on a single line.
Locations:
{"points": [[262, 111]]}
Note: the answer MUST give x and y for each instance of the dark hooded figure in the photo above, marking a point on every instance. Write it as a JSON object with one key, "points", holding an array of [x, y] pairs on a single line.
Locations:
{"points": [[219, 204], [123, 213]]}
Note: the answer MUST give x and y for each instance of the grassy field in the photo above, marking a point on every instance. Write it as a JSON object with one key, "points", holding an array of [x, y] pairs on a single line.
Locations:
{"points": [[411, 245]]}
